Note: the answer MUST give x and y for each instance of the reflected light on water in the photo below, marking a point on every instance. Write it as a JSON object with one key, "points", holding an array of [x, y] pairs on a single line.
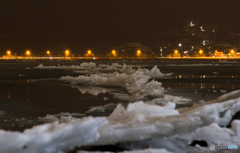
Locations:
{"points": [[220, 86], [204, 76]]}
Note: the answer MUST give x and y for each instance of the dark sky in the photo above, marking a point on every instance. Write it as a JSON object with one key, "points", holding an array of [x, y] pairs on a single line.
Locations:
{"points": [[105, 20]]}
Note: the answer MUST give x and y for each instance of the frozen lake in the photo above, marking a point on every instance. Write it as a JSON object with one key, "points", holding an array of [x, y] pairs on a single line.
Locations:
{"points": [[28, 94]]}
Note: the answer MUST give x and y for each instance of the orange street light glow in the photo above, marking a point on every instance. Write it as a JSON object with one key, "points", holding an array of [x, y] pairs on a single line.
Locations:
{"points": [[139, 52], [176, 51], [200, 51], [9, 52], [89, 52], [48, 52], [28, 52], [232, 51], [113, 52], [67, 52]]}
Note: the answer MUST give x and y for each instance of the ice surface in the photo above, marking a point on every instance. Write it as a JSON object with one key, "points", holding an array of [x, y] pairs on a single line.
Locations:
{"points": [[230, 95], [138, 126], [137, 151], [153, 73], [110, 106], [116, 65], [169, 98], [135, 83], [91, 67], [93, 90], [62, 117], [88, 65], [81, 66], [223, 91], [127, 69], [115, 79], [52, 137]]}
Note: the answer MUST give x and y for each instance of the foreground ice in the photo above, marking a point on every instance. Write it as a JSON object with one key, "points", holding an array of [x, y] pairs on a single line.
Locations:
{"points": [[138, 126], [137, 151]]}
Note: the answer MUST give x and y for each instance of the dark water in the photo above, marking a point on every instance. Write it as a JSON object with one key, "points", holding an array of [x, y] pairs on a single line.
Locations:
{"points": [[26, 93]]}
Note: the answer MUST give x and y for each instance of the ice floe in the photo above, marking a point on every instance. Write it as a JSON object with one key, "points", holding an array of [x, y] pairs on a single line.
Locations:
{"points": [[93, 90], [81, 66], [110, 107], [88, 68], [138, 126], [136, 151], [136, 85]]}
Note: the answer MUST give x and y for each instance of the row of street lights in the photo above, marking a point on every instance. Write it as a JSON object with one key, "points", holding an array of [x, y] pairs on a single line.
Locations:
{"points": [[201, 51], [67, 52], [28, 52], [9, 53], [89, 52]]}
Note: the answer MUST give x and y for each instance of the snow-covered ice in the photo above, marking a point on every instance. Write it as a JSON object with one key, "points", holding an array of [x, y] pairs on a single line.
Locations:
{"points": [[137, 85], [88, 68], [136, 151], [135, 127]]}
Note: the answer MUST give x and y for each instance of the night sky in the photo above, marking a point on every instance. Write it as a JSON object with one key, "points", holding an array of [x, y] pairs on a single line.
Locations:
{"points": [[92, 23]]}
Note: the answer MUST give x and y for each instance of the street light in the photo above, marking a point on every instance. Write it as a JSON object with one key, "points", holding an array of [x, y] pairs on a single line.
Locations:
{"points": [[9, 53], [67, 52], [89, 52], [28, 53], [200, 51], [113, 52], [48, 52], [176, 51], [232, 51], [138, 53]]}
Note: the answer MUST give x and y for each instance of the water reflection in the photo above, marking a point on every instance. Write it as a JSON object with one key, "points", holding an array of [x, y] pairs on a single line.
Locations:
{"points": [[57, 97], [200, 85], [205, 76]]}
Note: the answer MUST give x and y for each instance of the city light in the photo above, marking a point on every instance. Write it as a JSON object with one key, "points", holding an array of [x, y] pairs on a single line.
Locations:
{"points": [[138, 53], [9, 53], [89, 52], [28, 52], [113, 52], [232, 51], [48, 52], [176, 51], [200, 51], [67, 52]]}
